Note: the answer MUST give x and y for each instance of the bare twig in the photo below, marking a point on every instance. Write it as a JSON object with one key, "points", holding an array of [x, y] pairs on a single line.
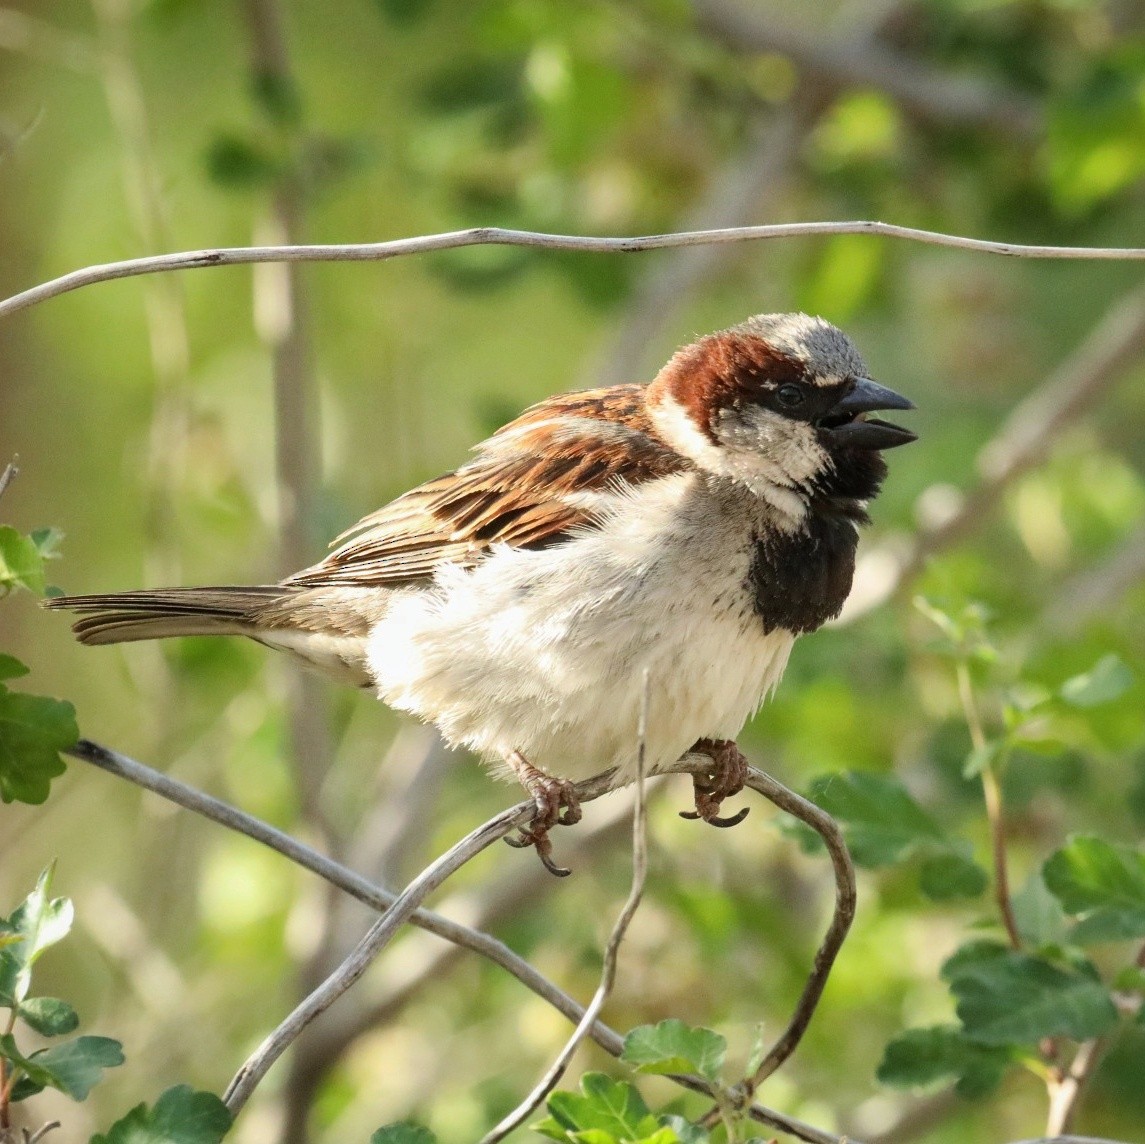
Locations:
{"points": [[1066, 1091], [10, 473], [499, 236], [1071, 1140], [611, 952], [845, 899], [376, 939]]}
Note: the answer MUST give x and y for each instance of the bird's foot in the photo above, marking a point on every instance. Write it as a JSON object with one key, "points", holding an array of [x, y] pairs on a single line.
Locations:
{"points": [[727, 777], [557, 805]]}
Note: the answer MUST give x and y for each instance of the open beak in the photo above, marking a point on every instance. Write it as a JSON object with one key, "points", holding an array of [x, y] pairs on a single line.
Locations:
{"points": [[846, 425]]}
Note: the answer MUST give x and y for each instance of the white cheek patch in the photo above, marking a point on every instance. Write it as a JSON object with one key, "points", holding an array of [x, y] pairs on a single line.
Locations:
{"points": [[770, 454], [787, 449]]}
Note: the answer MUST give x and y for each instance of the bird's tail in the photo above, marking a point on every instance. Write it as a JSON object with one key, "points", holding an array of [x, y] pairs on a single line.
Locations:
{"points": [[119, 617]]}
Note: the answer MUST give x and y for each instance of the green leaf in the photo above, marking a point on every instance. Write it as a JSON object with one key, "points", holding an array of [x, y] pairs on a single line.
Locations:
{"points": [[673, 1047], [47, 542], [759, 1047], [75, 1067], [38, 1077], [21, 565], [1108, 679], [685, 1131], [1102, 884], [39, 922], [881, 821], [403, 1133], [11, 667], [49, 1016], [33, 731], [983, 757], [923, 1056], [1015, 998], [603, 1103], [948, 876], [1039, 915], [180, 1116]]}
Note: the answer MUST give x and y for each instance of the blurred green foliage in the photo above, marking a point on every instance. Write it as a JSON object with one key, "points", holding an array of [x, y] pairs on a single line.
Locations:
{"points": [[143, 413]]}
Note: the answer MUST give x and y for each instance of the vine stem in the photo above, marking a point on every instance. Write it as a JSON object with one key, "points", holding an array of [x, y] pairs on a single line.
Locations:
{"points": [[995, 812]]}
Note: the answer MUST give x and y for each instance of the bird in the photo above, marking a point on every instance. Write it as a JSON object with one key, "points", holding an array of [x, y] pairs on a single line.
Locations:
{"points": [[691, 528]]}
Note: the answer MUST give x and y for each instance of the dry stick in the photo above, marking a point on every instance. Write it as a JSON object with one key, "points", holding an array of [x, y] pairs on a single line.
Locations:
{"points": [[499, 236], [611, 952], [379, 935], [1066, 1140], [1065, 1094], [845, 898], [8, 476]]}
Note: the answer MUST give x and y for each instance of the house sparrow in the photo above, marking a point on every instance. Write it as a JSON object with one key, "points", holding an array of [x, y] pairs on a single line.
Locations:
{"points": [[693, 526]]}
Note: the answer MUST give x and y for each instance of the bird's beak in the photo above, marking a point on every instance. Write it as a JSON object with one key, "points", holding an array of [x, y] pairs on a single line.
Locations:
{"points": [[846, 426]]}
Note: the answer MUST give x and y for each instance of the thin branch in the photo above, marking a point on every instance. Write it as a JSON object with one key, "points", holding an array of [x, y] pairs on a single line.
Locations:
{"points": [[498, 236], [1066, 1092], [380, 934], [1071, 1140], [611, 952], [10, 473], [845, 900]]}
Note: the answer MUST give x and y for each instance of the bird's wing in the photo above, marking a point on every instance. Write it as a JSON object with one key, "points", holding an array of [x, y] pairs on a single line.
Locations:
{"points": [[529, 486]]}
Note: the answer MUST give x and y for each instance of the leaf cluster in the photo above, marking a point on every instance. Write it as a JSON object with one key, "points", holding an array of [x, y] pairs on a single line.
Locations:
{"points": [[76, 1065]]}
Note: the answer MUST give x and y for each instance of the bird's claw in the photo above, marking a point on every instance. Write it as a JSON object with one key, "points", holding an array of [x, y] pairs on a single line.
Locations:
{"points": [[557, 805], [726, 778], [716, 820]]}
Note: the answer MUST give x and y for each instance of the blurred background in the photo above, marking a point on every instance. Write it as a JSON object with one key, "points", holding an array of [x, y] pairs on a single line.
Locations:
{"points": [[221, 425]]}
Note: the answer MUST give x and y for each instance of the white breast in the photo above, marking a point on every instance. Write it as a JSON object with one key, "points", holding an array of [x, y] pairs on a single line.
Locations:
{"points": [[543, 652]]}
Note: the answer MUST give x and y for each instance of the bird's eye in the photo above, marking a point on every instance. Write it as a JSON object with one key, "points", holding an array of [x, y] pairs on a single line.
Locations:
{"points": [[791, 395]]}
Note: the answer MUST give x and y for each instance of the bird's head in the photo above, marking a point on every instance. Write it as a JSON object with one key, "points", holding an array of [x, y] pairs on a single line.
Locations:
{"points": [[779, 403]]}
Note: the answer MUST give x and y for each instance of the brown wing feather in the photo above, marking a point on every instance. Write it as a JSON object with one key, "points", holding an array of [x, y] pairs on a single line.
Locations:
{"points": [[519, 490]]}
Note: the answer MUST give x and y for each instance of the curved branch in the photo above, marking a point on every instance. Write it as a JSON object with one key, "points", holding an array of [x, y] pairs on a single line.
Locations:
{"points": [[845, 899], [499, 236]]}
